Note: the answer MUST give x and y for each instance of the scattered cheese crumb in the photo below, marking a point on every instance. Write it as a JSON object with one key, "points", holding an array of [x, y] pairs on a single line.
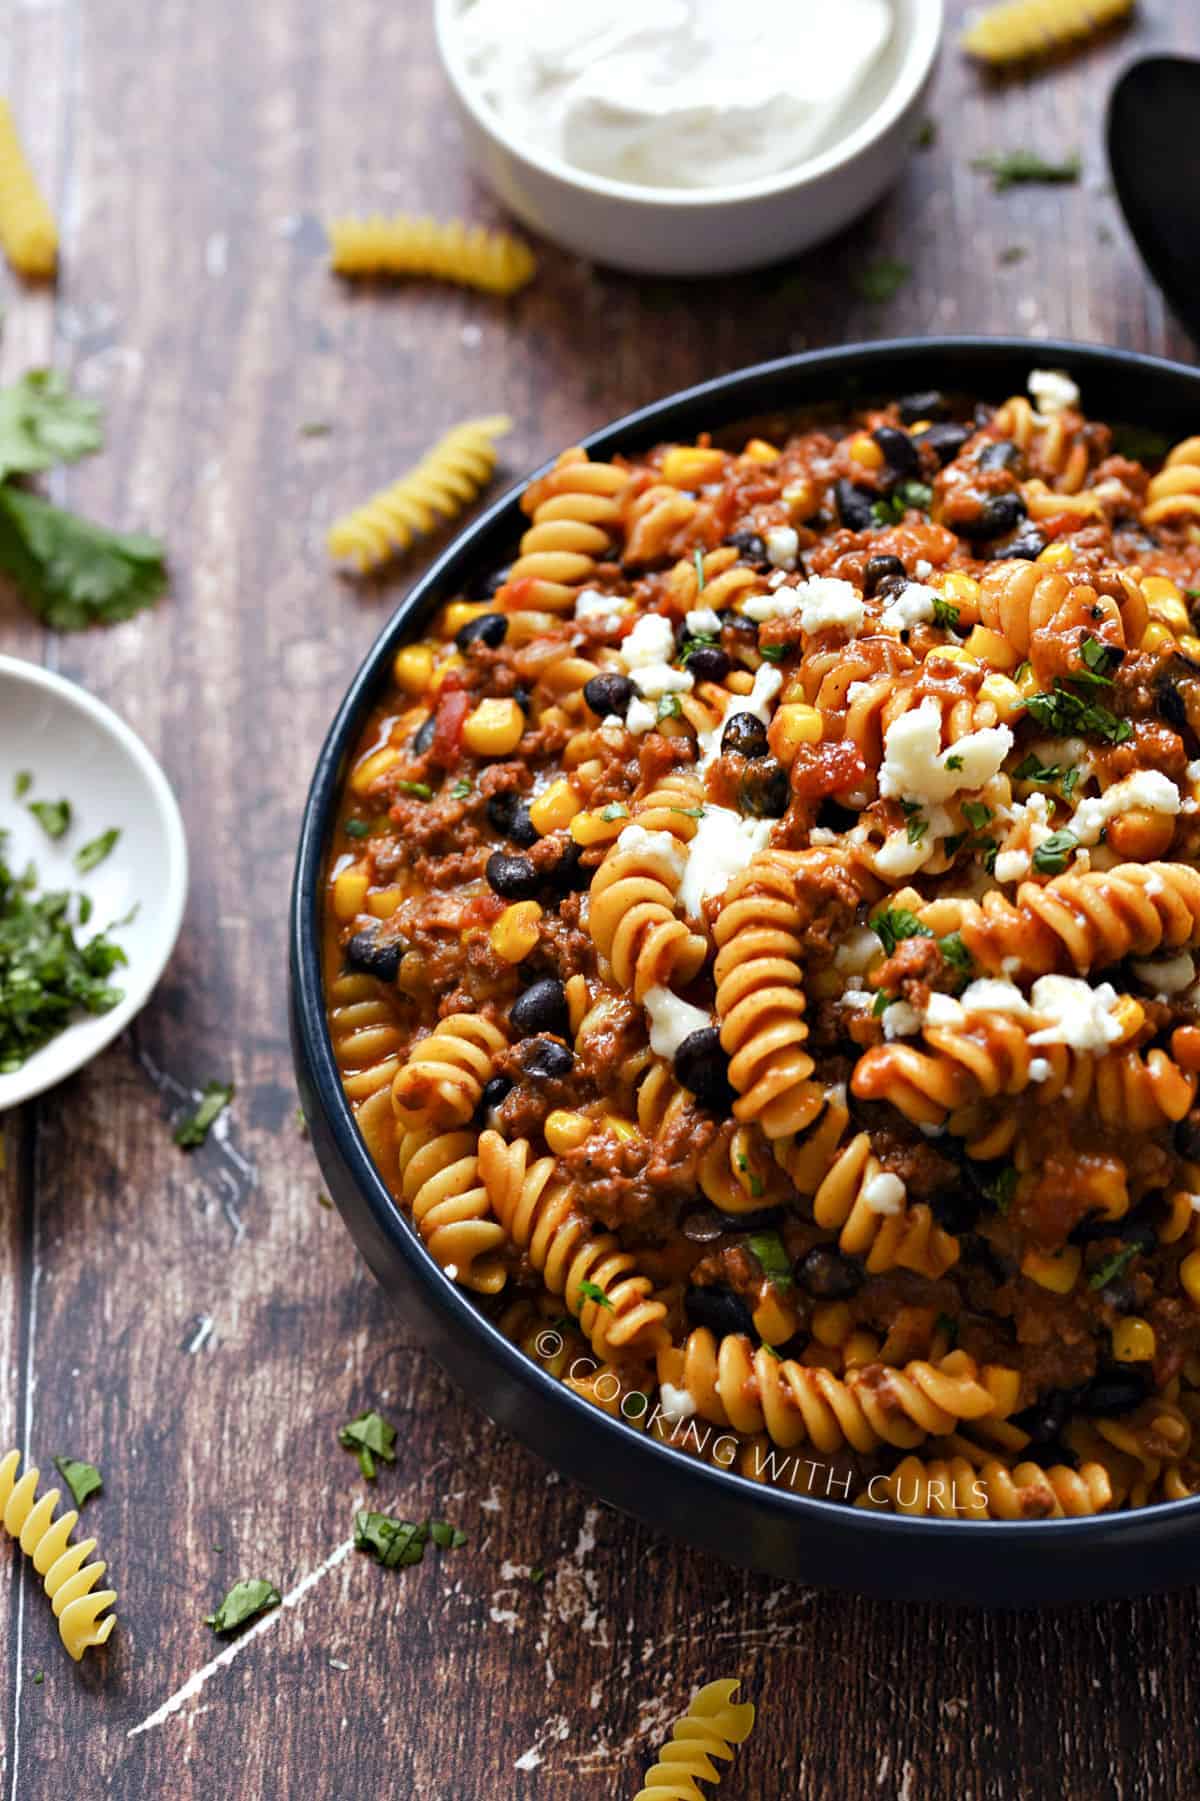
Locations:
{"points": [[1077, 1014], [671, 1020], [884, 1193], [1053, 391], [702, 620], [916, 768], [1147, 788], [677, 1403], [723, 845], [783, 545], [912, 606]]}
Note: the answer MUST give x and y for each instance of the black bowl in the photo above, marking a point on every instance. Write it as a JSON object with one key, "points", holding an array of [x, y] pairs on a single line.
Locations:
{"points": [[808, 1537]]}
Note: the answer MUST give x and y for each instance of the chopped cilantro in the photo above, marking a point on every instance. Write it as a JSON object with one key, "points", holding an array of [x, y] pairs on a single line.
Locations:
{"points": [[945, 614], [83, 1479], [635, 1394], [1054, 853], [1112, 1266], [956, 953], [42, 423], [883, 280], [1013, 253], [895, 924], [916, 828], [357, 828], [95, 852], [1031, 769], [918, 495], [245, 1601], [39, 1677], [1066, 714], [371, 1436], [396, 1544], [461, 789], [615, 811], [1097, 659], [1002, 1188], [54, 816], [688, 812], [776, 1265], [774, 653], [536, 1574], [1008, 168], [445, 1536], [591, 1292], [976, 813], [955, 762], [756, 1186], [698, 559], [887, 511], [418, 790], [72, 572], [881, 1003], [315, 428], [669, 706], [22, 783], [193, 1130], [927, 135]]}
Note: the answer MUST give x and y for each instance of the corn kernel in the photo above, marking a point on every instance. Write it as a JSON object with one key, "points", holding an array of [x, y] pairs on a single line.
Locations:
{"points": [[952, 653], [865, 451], [1172, 613], [832, 1323], [800, 499], [1004, 695], [1027, 681], [1058, 1273], [689, 466], [384, 902], [372, 767], [739, 681], [593, 828], [1189, 1276], [861, 1347], [461, 612], [564, 1130], [413, 668], [349, 892], [1160, 590], [759, 451], [619, 1126], [1190, 646], [1057, 556], [793, 726], [516, 931], [555, 807], [453, 661], [991, 647], [494, 729], [958, 585], [1156, 635], [1133, 1341]]}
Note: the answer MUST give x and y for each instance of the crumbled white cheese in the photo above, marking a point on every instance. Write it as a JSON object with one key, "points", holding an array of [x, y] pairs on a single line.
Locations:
{"points": [[991, 995], [922, 569], [1170, 975], [900, 855], [723, 845], [821, 834], [884, 1193], [676, 1403], [912, 606], [612, 721], [1147, 788], [857, 951], [943, 1010], [1039, 1070], [641, 717], [603, 609], [783, 544], [858, 999], [818, 604], [1052, 390], [650, 641], [915, 767], [702, 620], [1076, 1013], [900, 1020], [654, 680], [671, 1020], [1012, 866], [637, 839]]}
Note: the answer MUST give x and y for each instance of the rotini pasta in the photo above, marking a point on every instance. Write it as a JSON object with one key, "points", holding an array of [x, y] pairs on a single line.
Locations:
{"points": [[67, 1576], [762, 952], [446, 480], [713, 1725], [1019, 28], [447, 250], [28, 233]]}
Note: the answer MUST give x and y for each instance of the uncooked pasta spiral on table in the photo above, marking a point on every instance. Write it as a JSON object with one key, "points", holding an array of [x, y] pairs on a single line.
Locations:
{"points": [[28, 234], [67, 1576], [1015, 29], [762, 943], [713, 1725], [448, 478], [448, 250]]}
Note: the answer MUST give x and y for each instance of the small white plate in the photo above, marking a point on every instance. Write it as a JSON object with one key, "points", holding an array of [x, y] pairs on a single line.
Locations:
{"points": [[76, 749]]}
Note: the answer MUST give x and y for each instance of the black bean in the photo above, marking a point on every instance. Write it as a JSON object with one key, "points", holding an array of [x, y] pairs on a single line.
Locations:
{"points": [[1170, 705], [1117, 1390], [702, 1066], [890, 586], [1048, 1415], [749, 546], [365, 952], [509, 815], [1121, 1295], [898, 449], [827, 1275], [931, 404], [568, 873], [608, 693], [708, 663], [999, 515], [957, 1210], [523, 698], [879, 568], [855, 505], [719, 1309], [978, 1250], [482, 587], [737, 623], [489, 628], [542, 1008], [836, 818], [1001, 453], [513, 878], [546, 1059], [495, 1091], [1027, 546], [945, 441], [745, 735], [424, 737], [1187, 1135], [1133, 1229], [765, 790]]}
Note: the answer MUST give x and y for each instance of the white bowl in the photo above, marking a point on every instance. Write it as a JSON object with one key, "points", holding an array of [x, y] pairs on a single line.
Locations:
{"points": [[76, 749], [709, 231]]}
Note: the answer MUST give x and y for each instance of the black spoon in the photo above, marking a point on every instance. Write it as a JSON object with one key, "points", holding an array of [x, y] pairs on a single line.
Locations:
{"points": [[1154, 151]]}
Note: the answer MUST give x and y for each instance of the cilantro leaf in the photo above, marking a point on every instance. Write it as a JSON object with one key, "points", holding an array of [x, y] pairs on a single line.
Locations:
{"points": [[1007, 168], [774, 653], [768, 1247], [461, 789], [1097, 659], [445, 1536], [396, 1544], [1066, 714], [883, 280], [371, 1436], [357, 828], [54, 816], [83, 1479], [1112, 1266], [87, 857], [895, 924], [976, 813], [956, 953], [1001, 1188], [245, 1601], [945, 614], [669, 706], [1054, 853], [590, 1291], [918, 495], [71, 572], [22, 783], [193, 1130], [418, 790], [916, 828], [42, 423]]}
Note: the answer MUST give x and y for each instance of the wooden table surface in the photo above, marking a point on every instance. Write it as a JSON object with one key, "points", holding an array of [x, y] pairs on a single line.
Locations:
{"points": [[200, 1326]]}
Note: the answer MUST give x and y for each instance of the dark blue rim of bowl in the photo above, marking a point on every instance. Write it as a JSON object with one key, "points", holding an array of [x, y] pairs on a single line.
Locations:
{"points": [[1123, 385]]}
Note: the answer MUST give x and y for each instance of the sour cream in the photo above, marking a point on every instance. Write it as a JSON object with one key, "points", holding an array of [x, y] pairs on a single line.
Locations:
{"points": [[673, 93]]}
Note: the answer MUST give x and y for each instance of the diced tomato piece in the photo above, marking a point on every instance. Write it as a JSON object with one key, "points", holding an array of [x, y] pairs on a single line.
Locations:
{"points": [[823, 769], [452, 711]]}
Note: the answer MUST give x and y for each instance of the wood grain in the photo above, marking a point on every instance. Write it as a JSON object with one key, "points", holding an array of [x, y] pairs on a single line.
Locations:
{"points": [[199, 1325]]}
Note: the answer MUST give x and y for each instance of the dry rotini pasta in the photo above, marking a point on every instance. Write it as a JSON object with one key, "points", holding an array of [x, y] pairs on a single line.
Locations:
{"points": [[28, 234], [762, 940], [1015, 29], [447, 250], [446, 480], [68, 1578], [713, 1725]]}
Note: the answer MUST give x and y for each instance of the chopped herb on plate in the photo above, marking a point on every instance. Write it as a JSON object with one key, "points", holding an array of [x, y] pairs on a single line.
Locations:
{"points": [[371, 1436], [245, 1601], [396, 1544], [1010, 168], [54, 816], [193, 1130], [87, 857], [83, 1479]]}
